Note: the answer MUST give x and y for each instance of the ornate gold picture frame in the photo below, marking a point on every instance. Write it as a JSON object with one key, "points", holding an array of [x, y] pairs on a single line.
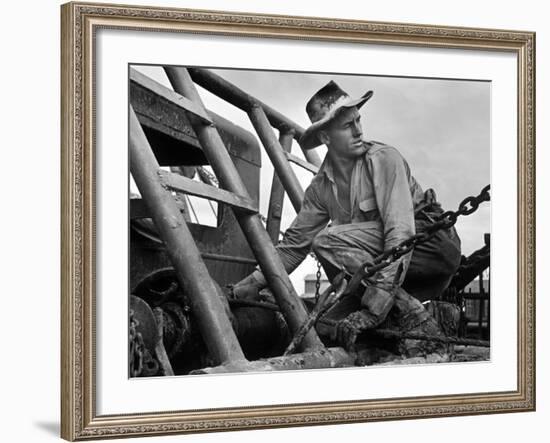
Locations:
{"points": [[81, 23]]}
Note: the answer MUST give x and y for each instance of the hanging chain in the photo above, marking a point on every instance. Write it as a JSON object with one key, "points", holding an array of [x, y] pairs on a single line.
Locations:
{"points": [[136, 347], [318, 279]]}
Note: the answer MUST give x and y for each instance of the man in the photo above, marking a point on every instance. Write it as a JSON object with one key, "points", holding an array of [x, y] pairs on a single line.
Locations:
{"points": [[366, 191]]}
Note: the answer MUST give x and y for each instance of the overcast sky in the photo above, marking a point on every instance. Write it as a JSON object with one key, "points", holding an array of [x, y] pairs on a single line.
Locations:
{"points": [[442, 128]]}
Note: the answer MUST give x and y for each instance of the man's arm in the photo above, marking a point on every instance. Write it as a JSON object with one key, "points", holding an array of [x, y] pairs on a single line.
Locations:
{"points": [[390, 175], [297, 239], [296, 242]]}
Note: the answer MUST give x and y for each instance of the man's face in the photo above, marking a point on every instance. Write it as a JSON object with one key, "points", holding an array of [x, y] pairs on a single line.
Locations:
{"points": [[344, 135]]}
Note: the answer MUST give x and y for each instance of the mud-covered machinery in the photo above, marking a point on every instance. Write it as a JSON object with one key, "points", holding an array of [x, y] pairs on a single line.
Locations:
{"points": [[158, 301], [181, 319]]}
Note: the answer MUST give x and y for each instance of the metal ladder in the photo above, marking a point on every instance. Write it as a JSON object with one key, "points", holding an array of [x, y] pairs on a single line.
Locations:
{"points": [[157, 185]]}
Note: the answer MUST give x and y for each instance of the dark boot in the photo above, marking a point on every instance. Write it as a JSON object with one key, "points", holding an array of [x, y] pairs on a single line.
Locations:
{"points": [[409, 315]]}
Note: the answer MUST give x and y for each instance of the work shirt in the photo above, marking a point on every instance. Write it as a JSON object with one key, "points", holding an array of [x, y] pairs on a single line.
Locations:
{"points": [[382, 191]]}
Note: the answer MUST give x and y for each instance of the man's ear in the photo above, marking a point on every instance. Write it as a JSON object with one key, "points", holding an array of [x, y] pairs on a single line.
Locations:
{"points": [[323, 137]]}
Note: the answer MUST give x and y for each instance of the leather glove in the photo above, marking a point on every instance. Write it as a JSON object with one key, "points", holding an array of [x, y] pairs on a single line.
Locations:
{"points": [[349, 328], [249, 287]]}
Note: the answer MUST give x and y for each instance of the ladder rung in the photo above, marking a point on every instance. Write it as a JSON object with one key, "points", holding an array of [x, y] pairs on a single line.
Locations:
{"points": [[303, 163], [180, 101], [186, 185]]}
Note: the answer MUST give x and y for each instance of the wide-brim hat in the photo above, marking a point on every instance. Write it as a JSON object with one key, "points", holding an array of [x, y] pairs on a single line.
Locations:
{"points": [[323, 107]]}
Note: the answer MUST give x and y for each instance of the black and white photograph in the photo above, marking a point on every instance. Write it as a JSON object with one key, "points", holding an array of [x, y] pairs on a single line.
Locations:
{"points": [[285, 221], [274, 219]]}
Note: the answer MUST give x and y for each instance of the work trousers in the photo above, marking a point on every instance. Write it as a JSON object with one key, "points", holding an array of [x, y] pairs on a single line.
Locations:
{"points": [[430, 270], [431, 266]]}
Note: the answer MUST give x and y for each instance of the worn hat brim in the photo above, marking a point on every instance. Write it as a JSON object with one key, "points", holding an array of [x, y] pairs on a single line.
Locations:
{"points": [[309, 138]]}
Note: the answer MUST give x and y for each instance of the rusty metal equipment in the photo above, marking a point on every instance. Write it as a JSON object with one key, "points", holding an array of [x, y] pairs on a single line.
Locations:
{"points": [[237, 97], [268, 259], [223, 246], [157, 188], [275, 211], [185, 256]]}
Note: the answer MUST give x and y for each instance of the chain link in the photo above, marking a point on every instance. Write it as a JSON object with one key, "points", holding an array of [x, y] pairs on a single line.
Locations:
{"points": [[136, 347], [318, 279], [318, 274], [445, 220], [206, 174]]}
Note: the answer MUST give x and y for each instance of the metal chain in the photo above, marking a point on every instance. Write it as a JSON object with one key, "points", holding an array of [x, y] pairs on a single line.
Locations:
{"points": [[318, 279], [318, 274], [136, 347], [205, 173], [393, 334], [445, 220]]}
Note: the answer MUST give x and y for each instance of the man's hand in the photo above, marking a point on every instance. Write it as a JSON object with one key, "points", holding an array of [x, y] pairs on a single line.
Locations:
{"points": [[244, 291], [348, 329], [248, 288]]}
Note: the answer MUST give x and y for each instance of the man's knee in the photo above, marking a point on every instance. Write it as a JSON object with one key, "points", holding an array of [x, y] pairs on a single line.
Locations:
{"points": [[320, 242], [439, 258]]}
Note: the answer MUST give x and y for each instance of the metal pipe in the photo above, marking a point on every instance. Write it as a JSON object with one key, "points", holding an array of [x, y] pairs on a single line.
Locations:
{"points": [[192, 273], [237, 97], [276, 199], [228, 258], [276, 154], [325, 358], [274, 272], [327, 299], [302, 163], [391, 334]]}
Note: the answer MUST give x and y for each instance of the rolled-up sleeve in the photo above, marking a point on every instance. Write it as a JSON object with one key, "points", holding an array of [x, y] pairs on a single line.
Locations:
{"points": [[390, 175], [296, 242]]}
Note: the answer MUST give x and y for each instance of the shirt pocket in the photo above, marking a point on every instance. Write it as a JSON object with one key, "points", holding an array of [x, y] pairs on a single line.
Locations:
{"points": [[368, 205], [369, 209]]}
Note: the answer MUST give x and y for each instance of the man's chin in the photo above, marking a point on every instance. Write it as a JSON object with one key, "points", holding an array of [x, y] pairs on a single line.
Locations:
{"points": [[359, 148]]}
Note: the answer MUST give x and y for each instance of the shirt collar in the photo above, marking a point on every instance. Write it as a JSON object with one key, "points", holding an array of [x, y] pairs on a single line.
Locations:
{"points": [[328, 169]]}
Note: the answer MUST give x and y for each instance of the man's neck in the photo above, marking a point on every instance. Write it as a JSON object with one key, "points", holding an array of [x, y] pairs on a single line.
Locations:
{"points": [[342, 167]]}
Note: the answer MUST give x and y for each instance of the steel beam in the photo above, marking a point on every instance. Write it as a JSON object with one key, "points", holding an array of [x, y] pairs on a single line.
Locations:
{"points": [[302, 163], [192, 187], [192, 273], [277, 156], [276, 199], [162, 91], [237, 97], [324, 358]]}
